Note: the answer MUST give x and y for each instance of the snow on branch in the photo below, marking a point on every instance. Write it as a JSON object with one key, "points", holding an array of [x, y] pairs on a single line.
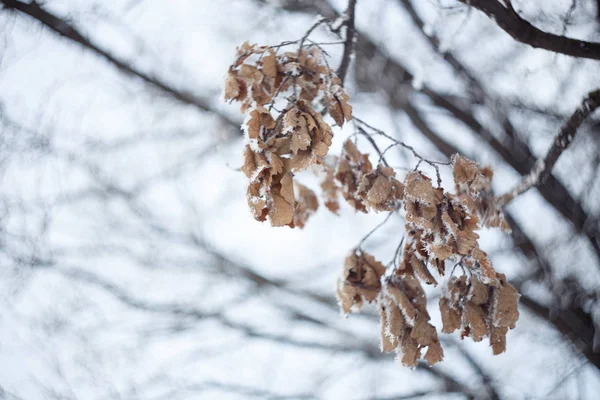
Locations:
{"points": [[521, 30], [349, 43], [542, 169]]}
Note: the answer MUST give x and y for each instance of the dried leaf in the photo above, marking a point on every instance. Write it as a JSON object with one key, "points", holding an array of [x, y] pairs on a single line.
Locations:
{"points": [[254, 125], [476, 319], [269, 64], [479, 292], [300, 138], [232, 87], [417, 187], [363, 273], [306, 204], [434, 353], [256, 203], [488, 275], [498, 340], [395, 320], [348, 297], [408, 310], [451, 318], [411, 350], [464, 170], [421, 271], [386, 341], [423, 332], [330, 191], [505, 299], [251, 74], [281, 212]]}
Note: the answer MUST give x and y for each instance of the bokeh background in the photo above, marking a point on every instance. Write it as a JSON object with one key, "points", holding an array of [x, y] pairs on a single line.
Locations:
{"points": [[131, 267]]}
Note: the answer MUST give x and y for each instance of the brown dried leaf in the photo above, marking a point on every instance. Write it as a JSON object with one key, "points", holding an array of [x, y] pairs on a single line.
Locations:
{"points": [[411, 351], [434, 353], [441, 251], [397, 325], [320, 149], [232, 87], [254, 164], [261, 94], [254, 124], [374, 270], [423, 332], [386, 340], [336, 112], [276, 164], [421, 271], [498, 340], [306, 204], [330, 191], [352, 152], [346, 108], [251, 74], [479, 292], [338, 107], [487, 272], [348, 297], [281, 212], [464, 170], [417, 187], [300, 138], [475, 317], [380, 191], [269, 64], [256, 203], [287, 188], [407, 308], [451, 317], [505, 298], [302, 160], [363, 272], [457, 288], [249, 165]]}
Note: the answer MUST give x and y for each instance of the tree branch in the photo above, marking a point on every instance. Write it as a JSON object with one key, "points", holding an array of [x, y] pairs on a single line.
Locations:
{"points": [[474, 86], [522, 31], [65, 29], [542, 169], [349, 44]]}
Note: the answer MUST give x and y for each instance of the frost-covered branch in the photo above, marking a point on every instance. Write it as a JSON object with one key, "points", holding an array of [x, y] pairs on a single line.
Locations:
{"points": [[542, 169], [523, 31], [349, 43]]}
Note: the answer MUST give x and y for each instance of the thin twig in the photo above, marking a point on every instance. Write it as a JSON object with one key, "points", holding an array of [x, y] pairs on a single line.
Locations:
{"points": [[372, 231], [310, 30], [542, 169], [434, 164]]}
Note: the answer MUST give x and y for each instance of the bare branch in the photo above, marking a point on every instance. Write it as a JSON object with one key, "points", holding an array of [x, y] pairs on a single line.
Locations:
{"points": [[522, 31], [349, 43], [65, 29], [461, 70], [542, 169]]}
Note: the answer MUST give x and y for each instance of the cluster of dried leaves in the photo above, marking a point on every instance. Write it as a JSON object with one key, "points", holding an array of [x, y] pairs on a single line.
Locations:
{"points": [[440, 226], [364, 187], [282, 143]]}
